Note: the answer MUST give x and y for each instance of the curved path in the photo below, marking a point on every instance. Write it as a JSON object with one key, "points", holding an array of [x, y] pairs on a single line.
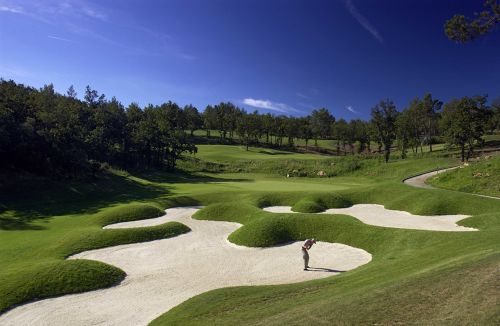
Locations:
{"points": [[380, 216], [161, 274], [419, 181]]}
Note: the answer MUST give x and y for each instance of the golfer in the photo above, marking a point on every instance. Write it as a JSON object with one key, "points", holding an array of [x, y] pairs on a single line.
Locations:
{"points": [[305, 248]]}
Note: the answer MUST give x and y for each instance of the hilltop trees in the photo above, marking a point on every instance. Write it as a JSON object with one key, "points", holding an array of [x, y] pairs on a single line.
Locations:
{"points": [[194, 120], [384, 119], [321, 124], [430, 108], [45, 132], [464, 123]]}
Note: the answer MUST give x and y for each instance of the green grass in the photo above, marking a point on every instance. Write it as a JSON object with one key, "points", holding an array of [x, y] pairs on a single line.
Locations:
{"points": [[482, 177], [230, 153], [415, 276]]}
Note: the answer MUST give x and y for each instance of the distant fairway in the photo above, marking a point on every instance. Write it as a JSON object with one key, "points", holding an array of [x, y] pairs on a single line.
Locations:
{"points": [[229, 153]]}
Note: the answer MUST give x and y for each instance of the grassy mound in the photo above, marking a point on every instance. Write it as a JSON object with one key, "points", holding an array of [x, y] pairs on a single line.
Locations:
{"points": [[478, 178], [234, 212], [115, 237], [320, 202], [128, 213], [56, 278], [308, 206]]}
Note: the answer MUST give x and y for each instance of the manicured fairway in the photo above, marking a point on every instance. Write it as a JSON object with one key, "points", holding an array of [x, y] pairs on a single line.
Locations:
{"points": [[225, 153]]}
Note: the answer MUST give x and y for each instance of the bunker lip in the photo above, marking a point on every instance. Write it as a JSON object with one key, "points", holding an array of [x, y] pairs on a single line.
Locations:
{"points": [[164, 273], [378, 215]]}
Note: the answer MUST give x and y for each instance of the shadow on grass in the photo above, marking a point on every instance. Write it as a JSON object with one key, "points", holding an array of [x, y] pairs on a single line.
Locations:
{"points": [[27, 198], [183, 177], [274, 153]]}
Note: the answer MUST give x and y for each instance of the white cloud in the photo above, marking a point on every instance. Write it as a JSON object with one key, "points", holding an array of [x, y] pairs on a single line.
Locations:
{"points": [[268, 105], [12, 9], [363, 21], [60, 38], [94, 13], [302, 95], [350, 109]]}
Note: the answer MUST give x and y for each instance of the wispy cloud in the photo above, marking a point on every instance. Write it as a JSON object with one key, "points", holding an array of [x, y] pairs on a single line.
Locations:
{"points": [[12, 9], [302, 95], [269, 105], [60, 38], [350, 109], [363, 21], [94, 13]]}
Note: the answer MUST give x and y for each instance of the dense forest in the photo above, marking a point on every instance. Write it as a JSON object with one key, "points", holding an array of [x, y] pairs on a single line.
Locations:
{"points": [[44, 132]]}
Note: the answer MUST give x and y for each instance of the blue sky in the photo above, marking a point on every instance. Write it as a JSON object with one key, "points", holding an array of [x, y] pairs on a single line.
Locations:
{"points": [[280, 56]]}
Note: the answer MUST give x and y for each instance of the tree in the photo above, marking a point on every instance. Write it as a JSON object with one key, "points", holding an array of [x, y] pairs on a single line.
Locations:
{"points": [[305, 130], [462, 30], [340, 134], [403, 131], [361, 134], [71, 92], [209, 119], [267, 125], [464, 123], [248, 127], [494, 121], [384, 118], [321, 124], [430, 109], [193, 117]]}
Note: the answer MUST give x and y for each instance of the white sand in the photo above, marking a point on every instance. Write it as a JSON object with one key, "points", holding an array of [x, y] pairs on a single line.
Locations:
{"points": [[378, 215], [161, 274]]}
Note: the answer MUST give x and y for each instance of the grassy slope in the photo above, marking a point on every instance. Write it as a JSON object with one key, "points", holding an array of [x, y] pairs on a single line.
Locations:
{"points": [[482, 177], [411, 261]]}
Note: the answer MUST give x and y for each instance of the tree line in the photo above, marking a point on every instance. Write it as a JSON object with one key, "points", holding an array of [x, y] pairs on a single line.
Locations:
{"points": [[43, 131]]}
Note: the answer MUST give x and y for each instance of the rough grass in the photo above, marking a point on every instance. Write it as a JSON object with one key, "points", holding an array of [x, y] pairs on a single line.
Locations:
{"points": [[482, 177]]}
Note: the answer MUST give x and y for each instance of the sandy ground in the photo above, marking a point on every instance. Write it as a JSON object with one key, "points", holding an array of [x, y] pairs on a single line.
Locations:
{"points": [[419, 181], [378, 215], [161, 274]]}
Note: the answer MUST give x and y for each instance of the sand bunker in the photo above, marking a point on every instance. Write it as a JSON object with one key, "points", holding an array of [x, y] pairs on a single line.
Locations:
{"points": [[161, 274], [378, 215]]}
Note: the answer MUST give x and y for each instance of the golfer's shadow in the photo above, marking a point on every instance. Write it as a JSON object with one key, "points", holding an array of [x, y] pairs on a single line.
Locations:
{"points": [[322, 269]]}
